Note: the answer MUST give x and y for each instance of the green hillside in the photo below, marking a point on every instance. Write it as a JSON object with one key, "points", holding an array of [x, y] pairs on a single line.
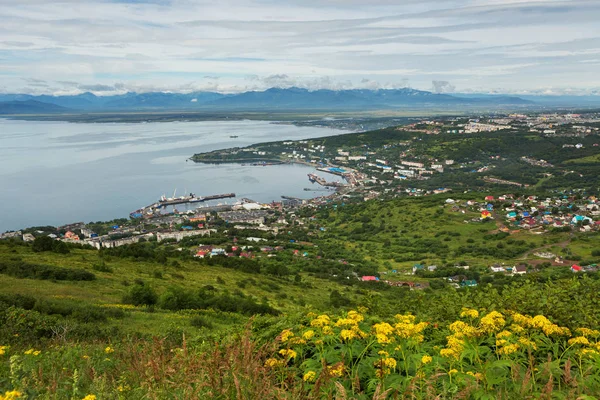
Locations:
{"points": [[150, 319]]}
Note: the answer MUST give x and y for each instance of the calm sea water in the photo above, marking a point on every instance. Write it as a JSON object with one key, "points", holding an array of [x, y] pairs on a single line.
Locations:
{"points": [[53, 173]]}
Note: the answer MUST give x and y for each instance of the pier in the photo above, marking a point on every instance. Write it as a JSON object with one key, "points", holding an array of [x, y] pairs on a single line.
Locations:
{"points": [[166, 202], [314, 178]]}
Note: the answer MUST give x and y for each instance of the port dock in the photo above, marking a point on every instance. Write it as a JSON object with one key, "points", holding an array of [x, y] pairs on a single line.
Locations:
{"points": [[164, 202], [317, 179]]}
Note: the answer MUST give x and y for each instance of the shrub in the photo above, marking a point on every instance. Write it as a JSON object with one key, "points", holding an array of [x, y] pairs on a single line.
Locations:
{"points": [[21, 269], [200, 322], [140, 295]]}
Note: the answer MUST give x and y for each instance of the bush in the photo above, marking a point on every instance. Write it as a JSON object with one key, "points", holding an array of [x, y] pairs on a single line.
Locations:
{"points": [[21, 269], [141, 295], [200, 322]]}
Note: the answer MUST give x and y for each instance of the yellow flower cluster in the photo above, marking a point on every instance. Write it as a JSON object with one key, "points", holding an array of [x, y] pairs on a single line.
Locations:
{"points": [[90, 397], [3, 350], [109, 350], [321, 321], [454, 349], [476, 375], [11, 395], [406, 328], [579, 340], [288, 353], [286, 335], [507, 348], [274, 363], [33, 352], [492, 322], [382, 331], [308, 334], [588, 332], [527, 343], [336, 370], [539, 322], [426, 359], [309, 376], [469, 313]]}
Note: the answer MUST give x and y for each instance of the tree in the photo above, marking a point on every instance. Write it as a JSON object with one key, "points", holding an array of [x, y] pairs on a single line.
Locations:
{"points": [[42, 243], [141, 295]]}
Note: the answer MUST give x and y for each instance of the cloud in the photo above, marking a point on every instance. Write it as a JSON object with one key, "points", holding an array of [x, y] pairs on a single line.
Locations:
{"points": [[97, 88], [442, 87], [234, 45]]}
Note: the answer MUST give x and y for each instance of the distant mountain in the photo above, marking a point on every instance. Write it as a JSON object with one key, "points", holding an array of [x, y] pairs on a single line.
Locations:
{"points": [[30, 107], [163, 100], [274, 98], [296, 98]]}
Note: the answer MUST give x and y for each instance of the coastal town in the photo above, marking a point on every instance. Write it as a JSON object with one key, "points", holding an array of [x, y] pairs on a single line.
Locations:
{"points": [[508, 190]]}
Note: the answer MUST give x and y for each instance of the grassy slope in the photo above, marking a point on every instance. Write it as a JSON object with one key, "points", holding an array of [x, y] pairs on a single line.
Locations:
{"points": [[109, 288]]}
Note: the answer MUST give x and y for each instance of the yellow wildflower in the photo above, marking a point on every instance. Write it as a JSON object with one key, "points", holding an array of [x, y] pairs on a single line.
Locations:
{"points": [[450, 353], [508, 349], [588, 332], [452, 371], [407, 330], [327, 330], [476, 375], [288, 353], [336, 370], [90, 397], [527, 343], [517, 328], [86, 357], [461, 329], [389, 362], [13, 394], [589, 352], [308, 334], [355, 316], [309, 376], [539, 321], [383, 353], [522, 320], [426, 359], [37, 352], [469, 313], [501, 342], [318, 342], [273, 363], [320, 321], [503, 334], [297, 340], [28, 352], [347, 334], [345, 322], [286, 335], [579, 340], [552, 329], [383, 328], [383, 339], [3, 350], [405, 319], [109, 350], [492, 322]]}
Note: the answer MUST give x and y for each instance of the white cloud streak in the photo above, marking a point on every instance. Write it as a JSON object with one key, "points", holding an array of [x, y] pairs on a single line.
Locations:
{"points": [[184, 45]]}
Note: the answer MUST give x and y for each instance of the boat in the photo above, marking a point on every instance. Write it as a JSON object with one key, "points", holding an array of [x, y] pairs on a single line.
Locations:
{"points": [[233, 136]]}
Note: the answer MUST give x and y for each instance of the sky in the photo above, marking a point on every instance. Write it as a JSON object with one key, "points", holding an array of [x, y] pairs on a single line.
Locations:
{"points": [[484, 46]]}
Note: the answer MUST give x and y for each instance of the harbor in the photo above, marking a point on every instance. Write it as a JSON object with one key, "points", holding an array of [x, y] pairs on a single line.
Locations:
{"points": [[164, 202], [317, 179]]}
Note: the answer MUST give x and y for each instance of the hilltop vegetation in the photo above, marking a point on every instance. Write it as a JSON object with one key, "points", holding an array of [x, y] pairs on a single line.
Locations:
{"points": [[145, 319]]}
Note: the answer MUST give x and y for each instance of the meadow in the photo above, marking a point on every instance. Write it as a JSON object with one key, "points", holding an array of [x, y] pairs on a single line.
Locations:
{"points": [[151, 321]]}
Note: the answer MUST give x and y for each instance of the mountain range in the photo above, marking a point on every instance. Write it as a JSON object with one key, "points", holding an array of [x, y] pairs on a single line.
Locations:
{"points": [[270, 99]]}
